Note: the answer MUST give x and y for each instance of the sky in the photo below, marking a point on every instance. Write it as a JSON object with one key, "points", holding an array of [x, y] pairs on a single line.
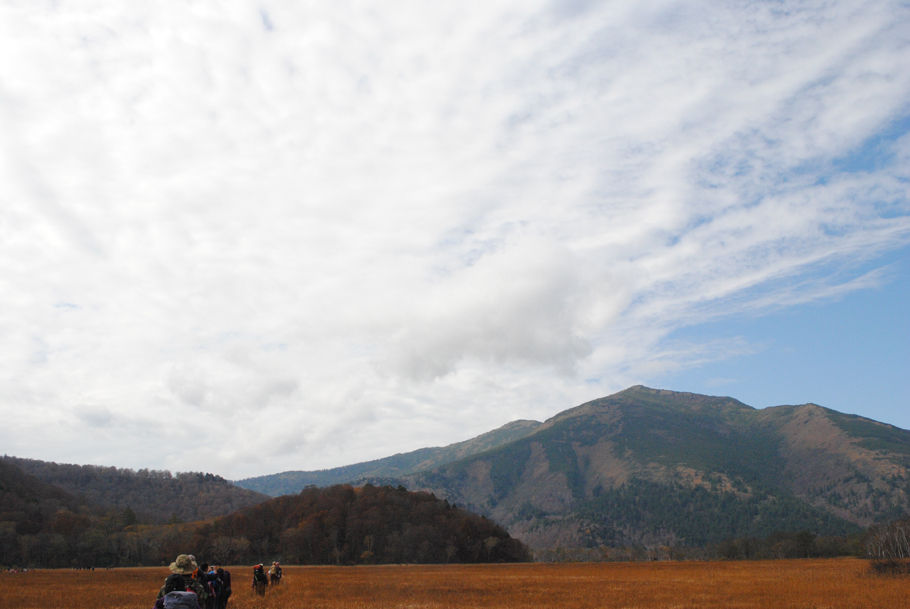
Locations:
{"points": [[249, 237]]}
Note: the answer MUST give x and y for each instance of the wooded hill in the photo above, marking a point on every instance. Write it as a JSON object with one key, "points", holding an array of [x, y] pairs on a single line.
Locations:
{"points": [[346, 525], [151, 496], [648, 468], [42, 525]]}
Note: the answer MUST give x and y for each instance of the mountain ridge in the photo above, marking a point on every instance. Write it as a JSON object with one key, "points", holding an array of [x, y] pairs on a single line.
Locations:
{"points": [[681, 458], [399, 464]]}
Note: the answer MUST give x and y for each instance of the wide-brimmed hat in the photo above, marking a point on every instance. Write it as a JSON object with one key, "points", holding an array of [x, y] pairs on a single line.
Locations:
{"points": [[184, 564]]}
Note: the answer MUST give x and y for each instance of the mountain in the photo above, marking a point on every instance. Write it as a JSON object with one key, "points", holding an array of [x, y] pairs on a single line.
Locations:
{"points": [[152, 496], [388, 468], [655, 467], [649, 467]]}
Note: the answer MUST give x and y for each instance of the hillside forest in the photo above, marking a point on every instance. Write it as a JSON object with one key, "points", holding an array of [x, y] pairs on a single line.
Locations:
{"points": [[42, 525]]}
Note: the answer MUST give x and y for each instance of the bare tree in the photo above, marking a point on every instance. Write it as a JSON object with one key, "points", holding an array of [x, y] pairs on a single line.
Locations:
{"points": [[888, 546]]}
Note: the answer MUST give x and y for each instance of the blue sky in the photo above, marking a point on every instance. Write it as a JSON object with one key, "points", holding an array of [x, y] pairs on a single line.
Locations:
{"points": [[849, 354], [331, 232]]}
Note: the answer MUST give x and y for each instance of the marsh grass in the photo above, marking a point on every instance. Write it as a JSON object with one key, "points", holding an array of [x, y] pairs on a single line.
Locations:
{"points": [[785, 584]]}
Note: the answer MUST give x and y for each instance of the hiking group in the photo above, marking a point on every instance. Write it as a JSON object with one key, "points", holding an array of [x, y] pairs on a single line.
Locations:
{"points": [[261, 581], [192, 586]]}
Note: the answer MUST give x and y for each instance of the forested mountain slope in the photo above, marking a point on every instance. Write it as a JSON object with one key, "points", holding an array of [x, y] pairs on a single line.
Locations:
{"points": [[28, 505], [153, 496]]}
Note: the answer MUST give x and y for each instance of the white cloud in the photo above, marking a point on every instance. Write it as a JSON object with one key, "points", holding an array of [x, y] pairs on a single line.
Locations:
{"points": [[335, 232]]}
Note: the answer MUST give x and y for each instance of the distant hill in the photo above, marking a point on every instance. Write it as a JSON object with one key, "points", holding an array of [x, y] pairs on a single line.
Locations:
{"points": [[28, 505], [153, 496], [388, 468], [652, 467], [38, 520], [44, 526]]}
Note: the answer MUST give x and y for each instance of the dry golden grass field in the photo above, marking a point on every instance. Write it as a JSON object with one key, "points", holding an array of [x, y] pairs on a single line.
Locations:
{"points": [[796, 584]]}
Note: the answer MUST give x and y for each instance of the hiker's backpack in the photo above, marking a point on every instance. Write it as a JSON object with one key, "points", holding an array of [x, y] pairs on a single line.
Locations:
{"points": [[200, 587], [181, 600], [226, 582]]}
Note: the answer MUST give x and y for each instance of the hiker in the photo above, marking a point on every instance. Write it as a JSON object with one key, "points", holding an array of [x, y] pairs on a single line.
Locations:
{"points": [[184, 565], [275, 574], [176, 596], [225, 576], [206, 596], [179, 589], [260, 581], [212, 585]]}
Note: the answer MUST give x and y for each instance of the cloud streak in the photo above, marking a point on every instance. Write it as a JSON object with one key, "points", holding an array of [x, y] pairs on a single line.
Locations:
{"points": [[328, 234]]}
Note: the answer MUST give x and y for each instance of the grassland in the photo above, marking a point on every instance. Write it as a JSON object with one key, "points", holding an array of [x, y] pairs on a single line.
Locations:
{"points": [[789, 584]]}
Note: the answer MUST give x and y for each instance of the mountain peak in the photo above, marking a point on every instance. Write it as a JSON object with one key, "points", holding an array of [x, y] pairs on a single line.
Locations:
{"points": [[642, 390]]}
